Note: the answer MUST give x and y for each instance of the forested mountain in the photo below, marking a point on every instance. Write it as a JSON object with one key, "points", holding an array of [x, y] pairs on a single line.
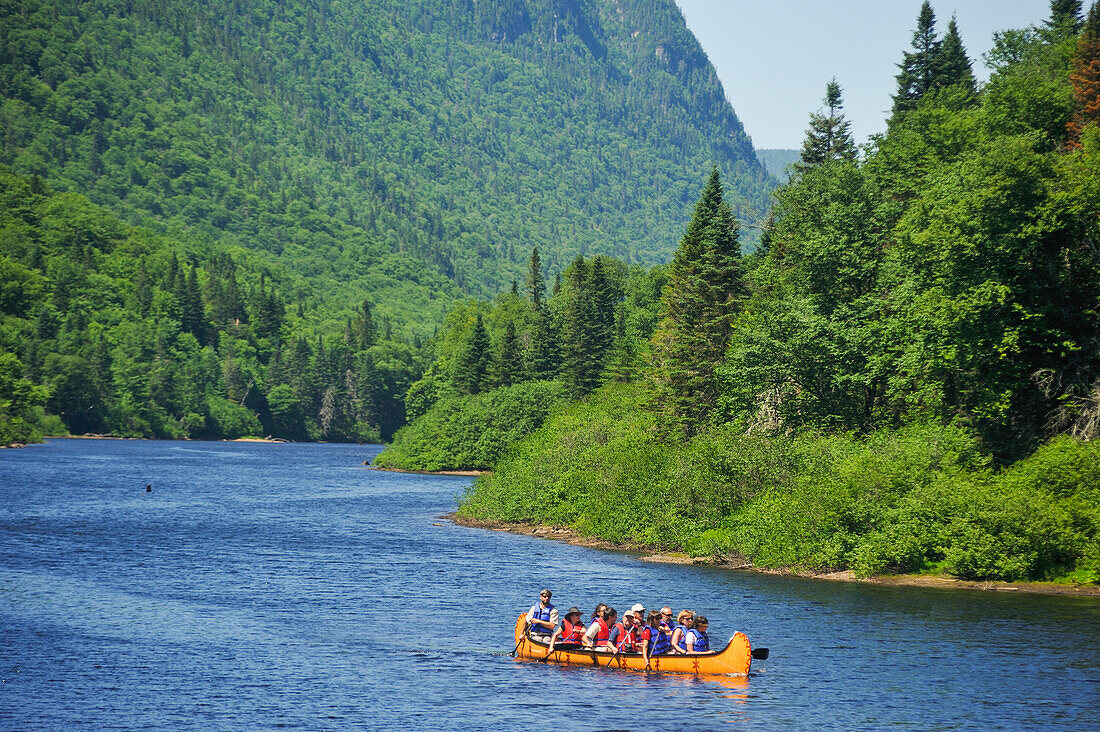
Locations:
{"points": [[336, 134], [775, 161], [229, 218]]}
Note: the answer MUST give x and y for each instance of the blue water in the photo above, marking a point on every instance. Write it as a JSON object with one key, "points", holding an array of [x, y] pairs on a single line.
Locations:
{"points": [[264, 586]]}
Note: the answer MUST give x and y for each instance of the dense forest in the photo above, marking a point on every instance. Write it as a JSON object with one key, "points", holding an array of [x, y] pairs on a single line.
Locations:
{"points": [[331, 134], [905, 376], [117, 330], [228, 219]]}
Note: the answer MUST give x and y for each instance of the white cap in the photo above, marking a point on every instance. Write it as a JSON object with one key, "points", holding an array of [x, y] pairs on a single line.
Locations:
{"points": [[638, 607]]}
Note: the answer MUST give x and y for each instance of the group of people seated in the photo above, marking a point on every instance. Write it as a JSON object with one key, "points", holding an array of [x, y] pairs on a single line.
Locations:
{"points": [[650, 634]]}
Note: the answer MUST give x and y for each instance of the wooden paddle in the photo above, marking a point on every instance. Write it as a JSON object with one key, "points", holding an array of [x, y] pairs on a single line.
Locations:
{"points": [[522, 636], [760, 654]]}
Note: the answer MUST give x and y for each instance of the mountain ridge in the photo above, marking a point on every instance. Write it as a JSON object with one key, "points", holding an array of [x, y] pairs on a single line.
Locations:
{"points": [[330, 135]]}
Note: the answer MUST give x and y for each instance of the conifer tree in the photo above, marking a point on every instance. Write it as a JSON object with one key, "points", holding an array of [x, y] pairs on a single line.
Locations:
{"points": [[543, 353], [509, 363], [1065, 17], [829, 136], [602, 297], [698, 303], [953, 65], [1085, 77], [577, 332], [190, 300], [472, 369], [536, 285], [919, 67]]}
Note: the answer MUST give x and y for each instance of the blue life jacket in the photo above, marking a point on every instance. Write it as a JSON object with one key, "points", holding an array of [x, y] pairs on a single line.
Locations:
{"points": [[541, 613], [682, 643], [659, 641], [699, 640]]}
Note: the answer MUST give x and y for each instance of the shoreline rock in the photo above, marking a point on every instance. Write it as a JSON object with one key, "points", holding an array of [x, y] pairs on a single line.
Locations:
{"points": [[649, 554]]}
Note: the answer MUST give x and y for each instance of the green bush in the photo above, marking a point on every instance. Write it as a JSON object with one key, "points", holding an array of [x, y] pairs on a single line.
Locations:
{"points": [[471, 432]]}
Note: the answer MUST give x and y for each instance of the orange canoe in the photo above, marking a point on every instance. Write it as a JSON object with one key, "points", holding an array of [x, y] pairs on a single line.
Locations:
{"points": [[735, 658]]}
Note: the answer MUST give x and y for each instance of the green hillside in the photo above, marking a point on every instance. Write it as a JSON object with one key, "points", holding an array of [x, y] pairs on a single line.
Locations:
{"points": [[332, 134], [332, 169]]}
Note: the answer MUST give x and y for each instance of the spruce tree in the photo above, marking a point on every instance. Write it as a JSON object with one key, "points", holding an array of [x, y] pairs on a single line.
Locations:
{"points": [[472, 369], [536, 285], [698, 303], [543, 353], [953, 66], [1065, 18], [509, 363], [829, 136], [602, 305], [919, 67], [577, 332]]}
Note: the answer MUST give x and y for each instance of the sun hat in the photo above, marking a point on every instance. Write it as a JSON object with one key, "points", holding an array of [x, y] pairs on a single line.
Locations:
{"points": [[573, 610]]}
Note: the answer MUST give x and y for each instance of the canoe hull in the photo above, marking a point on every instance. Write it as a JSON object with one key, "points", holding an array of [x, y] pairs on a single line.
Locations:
{"points": [[735, 658]]}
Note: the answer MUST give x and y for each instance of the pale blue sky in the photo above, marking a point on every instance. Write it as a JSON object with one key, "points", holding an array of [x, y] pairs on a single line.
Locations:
{"points": [[774, 57]]}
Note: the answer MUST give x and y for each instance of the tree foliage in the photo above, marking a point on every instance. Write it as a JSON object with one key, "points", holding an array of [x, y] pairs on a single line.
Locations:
{"points": [[699, 302]]}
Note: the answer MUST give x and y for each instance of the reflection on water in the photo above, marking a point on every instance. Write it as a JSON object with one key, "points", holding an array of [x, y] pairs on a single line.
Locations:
{"points": [[263, 586]]}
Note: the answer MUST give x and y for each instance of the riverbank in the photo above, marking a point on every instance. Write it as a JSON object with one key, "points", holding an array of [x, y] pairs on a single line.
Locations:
{"points": [[468, 473], [93, 436], [648, 554]]}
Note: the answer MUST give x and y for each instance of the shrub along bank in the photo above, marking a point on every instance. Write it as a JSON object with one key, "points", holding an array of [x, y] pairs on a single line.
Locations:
{"points": [[464, 432], [922, 498]]}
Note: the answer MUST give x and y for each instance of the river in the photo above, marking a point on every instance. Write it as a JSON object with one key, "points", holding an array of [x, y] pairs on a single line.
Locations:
{"points": [[260, 586]]}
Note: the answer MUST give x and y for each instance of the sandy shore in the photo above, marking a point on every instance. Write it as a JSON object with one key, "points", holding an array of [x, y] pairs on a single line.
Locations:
{"points": [[648, 555]]}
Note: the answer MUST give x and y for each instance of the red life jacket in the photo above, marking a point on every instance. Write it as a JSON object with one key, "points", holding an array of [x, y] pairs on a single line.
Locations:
{"points": [[571, 633], [603, 633], [626, 640]]}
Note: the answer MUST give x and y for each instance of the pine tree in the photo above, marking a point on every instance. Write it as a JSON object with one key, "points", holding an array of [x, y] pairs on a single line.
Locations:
{"points": [[1085, 77], [536, 285], [953, 66], [577, 331], [509, 363], [603, 297], [697, 306], [1065, 18], [919, 67], [543, 353], [193, 317], [829, 136], [472, 370]]}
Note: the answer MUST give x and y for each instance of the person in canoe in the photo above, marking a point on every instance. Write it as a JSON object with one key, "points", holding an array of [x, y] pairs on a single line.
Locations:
{"points": [[666, 619], [623, 634], [684, 622], [570, 633], [598, 635], [542, 618], [597, 614], [654, 640], [697, 639]]}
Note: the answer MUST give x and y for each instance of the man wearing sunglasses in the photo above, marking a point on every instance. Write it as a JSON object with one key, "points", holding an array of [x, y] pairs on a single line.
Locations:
{"points": [[542, 618]]}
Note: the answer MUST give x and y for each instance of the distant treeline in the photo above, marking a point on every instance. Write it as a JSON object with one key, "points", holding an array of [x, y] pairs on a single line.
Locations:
{"points": [[114, 330]]}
